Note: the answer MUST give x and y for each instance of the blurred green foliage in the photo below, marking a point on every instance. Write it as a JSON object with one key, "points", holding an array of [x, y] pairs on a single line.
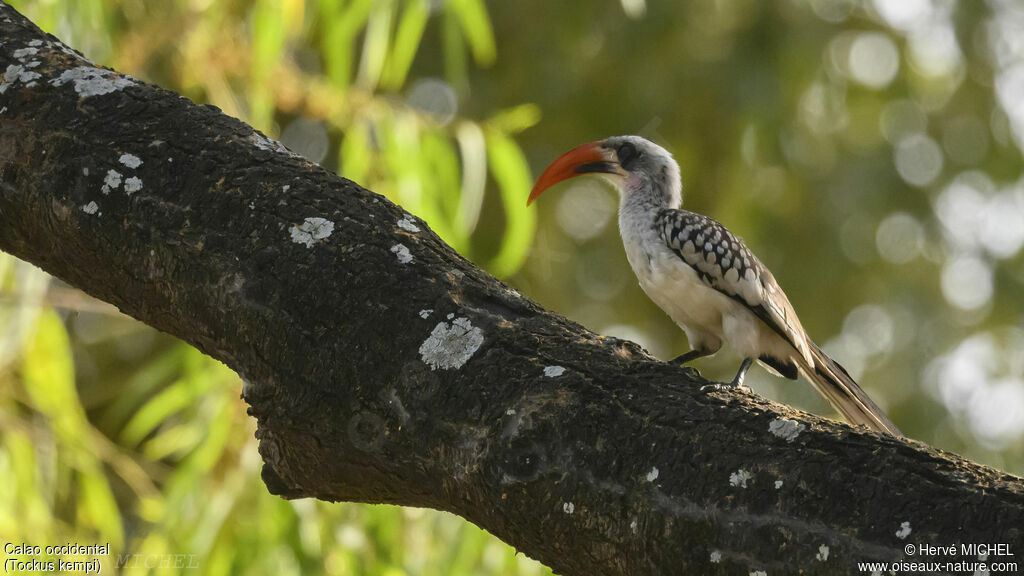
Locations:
{"points": [[112, 433], [868, 150]]}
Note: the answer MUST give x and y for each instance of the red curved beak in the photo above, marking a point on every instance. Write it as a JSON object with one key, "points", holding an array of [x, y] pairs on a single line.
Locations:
{"points": [[585, 159]]}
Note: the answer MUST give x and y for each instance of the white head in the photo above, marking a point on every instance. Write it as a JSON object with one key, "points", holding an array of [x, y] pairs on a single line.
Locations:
{"points": [[639, 169]]}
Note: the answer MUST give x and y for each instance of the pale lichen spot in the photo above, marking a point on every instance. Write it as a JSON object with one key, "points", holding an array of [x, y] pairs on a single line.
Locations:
{"points": [[738, 479], [407, 224], [904, 531], [426, 313], [264, 143], [778, 484], [402, 252], [132, 185], [91, 207], [568, 507], [111, 181], [16, 73], [130, 160], [822, 554], [758, 573], [36, 43], [510, 412], [633, 526], [653, 474], [67, 50], [716, 557], [554, 371], [311, 231], [285, 187], [451, 344], [22, 53], [786, 429], [90, 81]]}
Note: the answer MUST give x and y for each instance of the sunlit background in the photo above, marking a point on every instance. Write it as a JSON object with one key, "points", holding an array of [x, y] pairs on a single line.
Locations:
{"points": [[868, 151]]}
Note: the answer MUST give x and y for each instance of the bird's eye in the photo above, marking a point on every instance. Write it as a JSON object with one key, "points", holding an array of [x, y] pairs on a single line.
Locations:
{"points": [[627, 154]]}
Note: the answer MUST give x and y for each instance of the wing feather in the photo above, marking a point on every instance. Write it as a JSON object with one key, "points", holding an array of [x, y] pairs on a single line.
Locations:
{"points": [[723, 262]]}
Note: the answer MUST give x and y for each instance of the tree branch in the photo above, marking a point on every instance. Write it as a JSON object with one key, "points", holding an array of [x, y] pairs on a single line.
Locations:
{"points": [[383, 367]]}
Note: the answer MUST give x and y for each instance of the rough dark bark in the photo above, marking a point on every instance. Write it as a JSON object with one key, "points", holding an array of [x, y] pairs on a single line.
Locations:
{"points": [[383, 367]]}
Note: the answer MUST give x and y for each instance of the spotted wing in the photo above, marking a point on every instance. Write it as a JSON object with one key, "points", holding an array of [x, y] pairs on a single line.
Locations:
{"points": [[723, 262]]}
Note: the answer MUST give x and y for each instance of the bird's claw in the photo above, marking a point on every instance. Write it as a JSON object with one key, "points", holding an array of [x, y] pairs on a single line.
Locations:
{"points": [[726, 386], [691, 371]]}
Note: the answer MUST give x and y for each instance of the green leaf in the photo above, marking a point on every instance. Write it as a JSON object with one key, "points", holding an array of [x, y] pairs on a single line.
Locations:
{"points": [[455, 67], [34, 512], [174, 440], [400, 140], [473, 149], [375, 44], [407, 43], [340, 26], [142, 384], [516, 119], [476, 26], [512, 172], [49, 374], [28, 286], [190, 471], [97, 507], [171, 400], [355, 153], [268, 35], [442, 166]]}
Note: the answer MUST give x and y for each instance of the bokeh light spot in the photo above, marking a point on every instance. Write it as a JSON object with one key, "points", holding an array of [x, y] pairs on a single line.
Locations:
{"points": [[833, 11], [307, 138], [585, 209], [873, 59], [434, 97], [872, 327], [1002, 233], [918, 160], [903, 14], [899, 238], [967, 282]]}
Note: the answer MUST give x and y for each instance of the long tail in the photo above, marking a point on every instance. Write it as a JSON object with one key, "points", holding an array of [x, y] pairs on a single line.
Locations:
{"points": [[843, 393]]}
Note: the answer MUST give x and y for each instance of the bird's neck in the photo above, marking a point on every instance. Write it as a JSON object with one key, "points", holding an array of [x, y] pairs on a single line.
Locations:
{"points": [[639, 205], [648, 198]]}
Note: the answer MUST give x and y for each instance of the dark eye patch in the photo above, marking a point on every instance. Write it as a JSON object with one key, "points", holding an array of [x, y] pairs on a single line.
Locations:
{"points": [[627, 154]]}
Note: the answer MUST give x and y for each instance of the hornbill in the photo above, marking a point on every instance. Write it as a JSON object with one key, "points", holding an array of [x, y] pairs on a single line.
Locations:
{"points": [[704, 277]]}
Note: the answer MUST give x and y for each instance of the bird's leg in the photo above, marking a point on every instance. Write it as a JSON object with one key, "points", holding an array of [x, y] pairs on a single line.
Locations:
{"points": [[689, 357], [737, 381]]}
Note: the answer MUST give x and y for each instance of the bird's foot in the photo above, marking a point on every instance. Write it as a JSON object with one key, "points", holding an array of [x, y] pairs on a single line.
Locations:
{"points": [[737, 381], [726, 386]]}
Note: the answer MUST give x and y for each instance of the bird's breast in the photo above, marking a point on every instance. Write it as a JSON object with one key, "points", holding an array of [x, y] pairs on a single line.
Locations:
{"points": [[676, 288]]}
